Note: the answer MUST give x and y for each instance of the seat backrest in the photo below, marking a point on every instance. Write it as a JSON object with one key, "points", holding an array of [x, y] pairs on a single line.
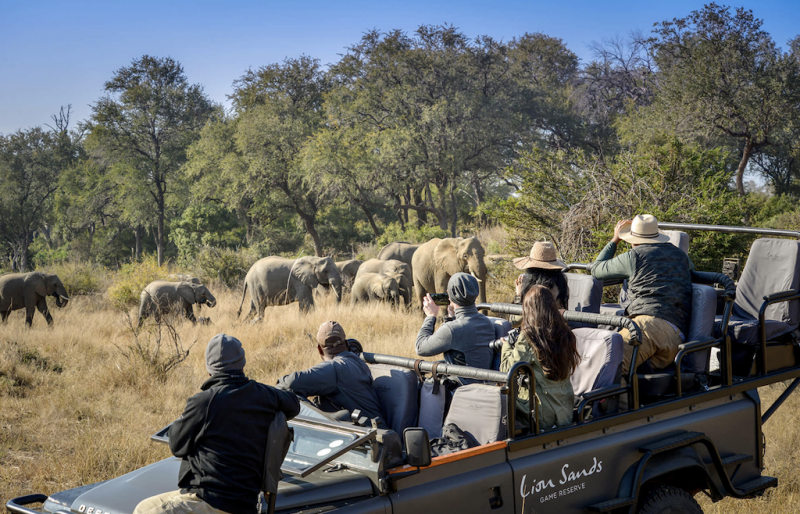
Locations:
{"points": [[396, 389], [585, 295], [481, 411], [701, 325], [679, 239], [601, 356], [772, 266], [501, 326]]}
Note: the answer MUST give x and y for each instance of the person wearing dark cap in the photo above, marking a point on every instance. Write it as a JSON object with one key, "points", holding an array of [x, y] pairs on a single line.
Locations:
{"points": [[342, 381], [465, 339], [221, 438]]}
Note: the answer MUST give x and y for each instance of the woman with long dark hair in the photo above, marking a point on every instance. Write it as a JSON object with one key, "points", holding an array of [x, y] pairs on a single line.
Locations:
{"points": [[546, 342]]}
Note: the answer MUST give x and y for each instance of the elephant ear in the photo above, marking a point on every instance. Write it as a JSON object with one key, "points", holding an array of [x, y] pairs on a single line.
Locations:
{"points": [[37, 282], [186, 291], [305, 271], [446, 255]]}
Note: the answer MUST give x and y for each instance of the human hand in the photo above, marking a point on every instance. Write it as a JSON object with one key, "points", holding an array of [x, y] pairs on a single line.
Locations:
{"points": [[518, 286], [620, 224], [428, 307]]}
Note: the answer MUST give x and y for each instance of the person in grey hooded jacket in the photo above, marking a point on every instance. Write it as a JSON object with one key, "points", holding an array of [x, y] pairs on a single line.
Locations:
{"points": [[342, 380], [464, 340]]}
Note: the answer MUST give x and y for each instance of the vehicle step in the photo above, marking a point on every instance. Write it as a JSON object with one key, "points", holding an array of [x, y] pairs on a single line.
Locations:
{"points": [[671, 443], [736, 459], [610, 505], [757, 485]]}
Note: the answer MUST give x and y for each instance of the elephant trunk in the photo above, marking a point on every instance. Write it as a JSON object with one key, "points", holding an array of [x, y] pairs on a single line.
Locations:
{"points": [[478, 270], [61, 297], [336, 284]]}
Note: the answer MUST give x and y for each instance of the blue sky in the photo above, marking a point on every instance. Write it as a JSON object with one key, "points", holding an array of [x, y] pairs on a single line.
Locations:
{"points": [[53, 52]]}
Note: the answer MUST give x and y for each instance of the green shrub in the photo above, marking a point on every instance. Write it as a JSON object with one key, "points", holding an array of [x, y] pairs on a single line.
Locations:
{"points": [[80, 278], [132, 278], [393, 232], [224, 264]]}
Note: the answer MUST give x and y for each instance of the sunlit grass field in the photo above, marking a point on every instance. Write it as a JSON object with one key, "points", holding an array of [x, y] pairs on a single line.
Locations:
{"points": [[75, 410]]}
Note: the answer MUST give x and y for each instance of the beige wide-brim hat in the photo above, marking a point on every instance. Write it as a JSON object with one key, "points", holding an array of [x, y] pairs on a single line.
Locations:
{"points": [[643, 230], [543, 256]]}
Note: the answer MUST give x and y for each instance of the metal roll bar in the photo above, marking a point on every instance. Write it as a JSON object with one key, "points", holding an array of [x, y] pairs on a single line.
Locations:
{"points": [[730, 230]]}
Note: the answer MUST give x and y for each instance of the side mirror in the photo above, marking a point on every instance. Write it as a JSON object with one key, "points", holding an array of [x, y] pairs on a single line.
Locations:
{"points": [[418, 446]]}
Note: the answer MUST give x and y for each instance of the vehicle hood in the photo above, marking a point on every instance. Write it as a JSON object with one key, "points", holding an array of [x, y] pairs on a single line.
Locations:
{"points": [[121, 495]]}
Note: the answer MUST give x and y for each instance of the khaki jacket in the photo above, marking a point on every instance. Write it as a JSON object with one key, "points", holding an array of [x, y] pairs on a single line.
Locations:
{"points": [[555, 399]]}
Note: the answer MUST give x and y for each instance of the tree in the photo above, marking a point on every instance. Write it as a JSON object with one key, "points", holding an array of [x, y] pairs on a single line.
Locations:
{"points": [[30, 165], [721, 73], [253, 160], [144, 124]]}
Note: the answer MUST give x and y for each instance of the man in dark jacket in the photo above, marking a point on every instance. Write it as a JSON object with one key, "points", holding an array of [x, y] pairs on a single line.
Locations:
{"points": [[221, 438], [464, 338], [342, 380], [659, 288]]}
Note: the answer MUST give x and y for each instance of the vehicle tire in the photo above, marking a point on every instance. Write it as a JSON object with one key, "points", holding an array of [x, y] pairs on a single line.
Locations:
{"points": [[666, 499]]}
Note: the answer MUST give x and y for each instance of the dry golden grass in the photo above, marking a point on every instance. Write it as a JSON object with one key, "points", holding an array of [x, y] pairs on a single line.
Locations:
{"points": [[74, 410]]}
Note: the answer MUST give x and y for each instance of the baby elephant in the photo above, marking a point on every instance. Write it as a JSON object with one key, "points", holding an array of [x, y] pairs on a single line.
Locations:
{"points": [[375, 286], [161, 297]]}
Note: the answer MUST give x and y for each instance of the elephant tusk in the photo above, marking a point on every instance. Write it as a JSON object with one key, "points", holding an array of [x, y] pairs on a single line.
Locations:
{"points": [[476, 276], [64, 297], [335, 292], [490, 274]]}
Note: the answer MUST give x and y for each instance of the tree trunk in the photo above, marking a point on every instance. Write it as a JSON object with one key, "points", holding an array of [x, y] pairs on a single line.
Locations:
{"points": [[441, 211], [138, 250], [160, 228], [310, 224], [371, 220], [748, 150], [408, 201], [454, 207], [22, 252], [422, 216]]}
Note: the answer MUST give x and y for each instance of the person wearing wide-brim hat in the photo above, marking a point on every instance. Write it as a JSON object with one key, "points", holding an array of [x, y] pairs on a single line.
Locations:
{"points": [[542, 267], [659, 288]]}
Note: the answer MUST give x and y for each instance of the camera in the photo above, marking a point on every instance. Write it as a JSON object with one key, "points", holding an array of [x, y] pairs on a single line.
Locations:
{"points": [[440, 298]]}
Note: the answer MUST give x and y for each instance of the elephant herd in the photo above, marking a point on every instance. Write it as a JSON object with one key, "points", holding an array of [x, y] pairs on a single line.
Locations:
{"points": [[399, 269]]}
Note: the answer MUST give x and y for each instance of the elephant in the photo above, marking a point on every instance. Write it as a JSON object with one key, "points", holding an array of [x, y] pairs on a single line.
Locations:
{"points": [[348, 271], [402, 252], [162, 297], [276, 280], [375, 286], [439, 259], [405, 279], [30, 290]]}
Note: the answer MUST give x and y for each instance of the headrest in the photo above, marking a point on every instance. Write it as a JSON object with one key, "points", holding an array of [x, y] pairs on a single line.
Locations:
{"points": [[501, 326], [481, 411], [396, 389], [679, 239], [601, 355], [771, 267]]}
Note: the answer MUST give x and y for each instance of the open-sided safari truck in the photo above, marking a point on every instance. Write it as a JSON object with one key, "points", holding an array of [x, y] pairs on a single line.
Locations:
{"points": [[690, 429]]}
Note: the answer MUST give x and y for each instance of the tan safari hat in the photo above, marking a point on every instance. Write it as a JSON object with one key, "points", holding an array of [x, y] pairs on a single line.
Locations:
{"points": [[330, 334], [543, 256], [643, 230]]}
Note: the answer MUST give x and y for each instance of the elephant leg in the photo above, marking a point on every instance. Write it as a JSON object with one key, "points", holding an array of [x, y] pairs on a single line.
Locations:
{"points": [[420, 291], [188, 312], [42, 306], [440, 281], [4, 315], [305, 298]]}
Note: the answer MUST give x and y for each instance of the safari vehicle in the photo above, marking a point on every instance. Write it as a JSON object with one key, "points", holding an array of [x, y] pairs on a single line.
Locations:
{"points": [[694, 429]]}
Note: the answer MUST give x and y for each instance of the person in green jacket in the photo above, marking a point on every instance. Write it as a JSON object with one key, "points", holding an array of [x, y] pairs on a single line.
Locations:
{"points": [[659, 288], [546, 343]]}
